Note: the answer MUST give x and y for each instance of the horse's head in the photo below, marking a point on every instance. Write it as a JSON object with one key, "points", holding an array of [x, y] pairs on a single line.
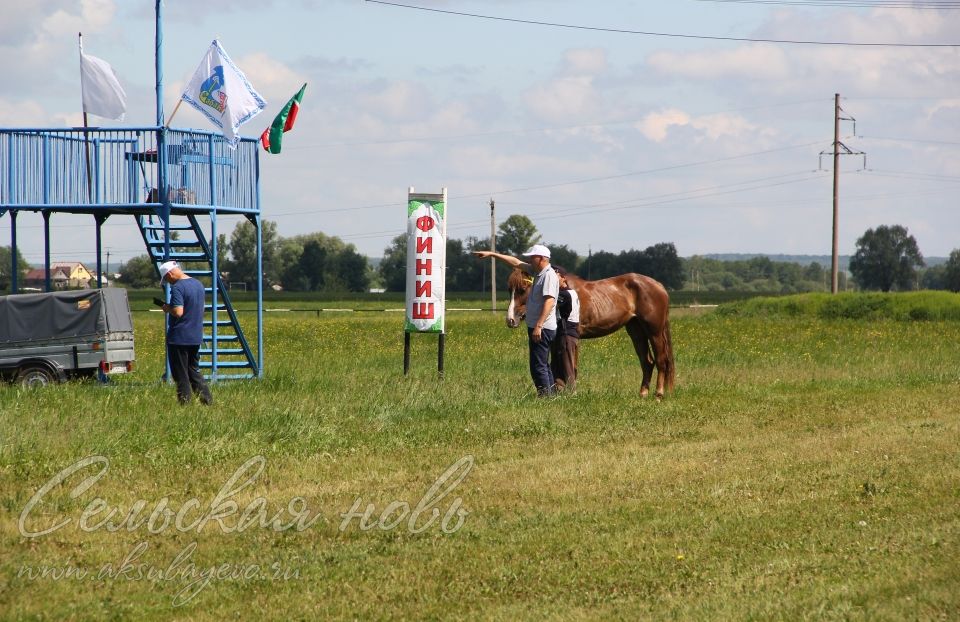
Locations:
{"points": [[519, 284]]}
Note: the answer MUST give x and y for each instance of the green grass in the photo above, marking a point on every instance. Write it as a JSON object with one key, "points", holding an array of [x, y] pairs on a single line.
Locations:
{"points": [[903, 306], [805, 468]]}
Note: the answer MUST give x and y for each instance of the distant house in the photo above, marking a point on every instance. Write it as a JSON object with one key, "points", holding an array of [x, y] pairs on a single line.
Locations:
{"points": [[59, 278], [78, 274]]}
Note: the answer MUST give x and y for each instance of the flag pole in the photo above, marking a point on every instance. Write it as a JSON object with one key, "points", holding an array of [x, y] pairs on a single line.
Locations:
{"points": [[86, 138], [172, 114]]}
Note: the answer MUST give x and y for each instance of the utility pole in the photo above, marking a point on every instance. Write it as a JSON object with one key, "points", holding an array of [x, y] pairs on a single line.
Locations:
{"points": [[835, 256], [838, 149], [493, 261], [108, 263]]}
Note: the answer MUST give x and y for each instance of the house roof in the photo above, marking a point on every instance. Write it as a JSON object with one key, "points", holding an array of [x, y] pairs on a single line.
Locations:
{"points": [[39, 274], [71, 265]]}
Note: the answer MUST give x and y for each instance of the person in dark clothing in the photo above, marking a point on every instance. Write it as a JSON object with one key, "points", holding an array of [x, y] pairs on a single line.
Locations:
{"points": [[566, 347], [185, 332]]}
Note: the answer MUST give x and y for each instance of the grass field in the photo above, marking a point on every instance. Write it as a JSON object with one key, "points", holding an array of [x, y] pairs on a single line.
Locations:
{"points": [[804, 468]]}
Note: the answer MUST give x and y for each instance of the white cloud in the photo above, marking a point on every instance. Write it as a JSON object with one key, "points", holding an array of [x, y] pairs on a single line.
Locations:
{"points": [[94, 16], [563, 98], [716, 126], [572, 92], [273, 79], [752, 61], [25, 113], [400, 100], [585, 61], [656, 124]]}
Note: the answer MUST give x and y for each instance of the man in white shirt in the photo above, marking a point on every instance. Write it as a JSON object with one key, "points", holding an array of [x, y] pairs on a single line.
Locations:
{"points": [[541, 318]]}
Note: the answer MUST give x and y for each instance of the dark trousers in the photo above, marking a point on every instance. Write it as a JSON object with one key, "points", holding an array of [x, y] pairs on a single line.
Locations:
{"points": [[566, 349], [540, 360], [185, 369]]}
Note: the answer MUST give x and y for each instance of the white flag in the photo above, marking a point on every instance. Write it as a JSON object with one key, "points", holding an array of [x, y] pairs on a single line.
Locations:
{"points": [[102, 93], [222, 93]]}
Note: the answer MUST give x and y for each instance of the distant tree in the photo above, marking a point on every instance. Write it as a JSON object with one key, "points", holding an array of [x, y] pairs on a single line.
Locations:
{"points": [[465, 273], [312, 267], [886, 257], [759, 268], [139, 272], [287, 262], [393, 266], [243, 252], [479, 274], [662, 263], [517, 234], [601, 265], [351, 270], [813, 272], [223, 253], [933, 277], [951, 271], [6, 262], [320, 262], [562, 255]]}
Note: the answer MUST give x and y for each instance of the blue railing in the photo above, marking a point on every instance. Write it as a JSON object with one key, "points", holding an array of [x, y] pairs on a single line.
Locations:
{"points": [[80, 169]]}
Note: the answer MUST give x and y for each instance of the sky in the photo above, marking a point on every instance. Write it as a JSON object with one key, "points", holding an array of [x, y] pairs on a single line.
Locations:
{"points": [[605, 140]]}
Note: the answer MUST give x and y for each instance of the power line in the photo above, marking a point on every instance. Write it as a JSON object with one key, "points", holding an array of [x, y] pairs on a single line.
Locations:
{"points": [[910, 140], [540, 130], [562, 183], [874, 4], [658, 34], [911, 176], [651, 202]]}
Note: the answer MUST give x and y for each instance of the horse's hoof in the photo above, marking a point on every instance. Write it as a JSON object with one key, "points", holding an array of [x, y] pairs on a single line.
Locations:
{"points": [[644, 392], [659, 397]]}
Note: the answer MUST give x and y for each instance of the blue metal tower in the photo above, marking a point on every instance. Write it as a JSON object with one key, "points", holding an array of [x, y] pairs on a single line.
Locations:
{"points": [[173, 182]]}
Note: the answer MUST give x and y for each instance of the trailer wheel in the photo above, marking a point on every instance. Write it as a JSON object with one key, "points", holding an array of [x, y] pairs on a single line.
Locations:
{"points": [[35, 376]]}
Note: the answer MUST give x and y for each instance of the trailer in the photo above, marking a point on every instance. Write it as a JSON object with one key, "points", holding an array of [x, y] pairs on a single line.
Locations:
{"points": [[55, 336]]}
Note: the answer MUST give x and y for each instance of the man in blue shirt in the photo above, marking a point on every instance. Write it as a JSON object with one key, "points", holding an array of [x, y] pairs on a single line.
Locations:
{"points": [[185, 332]]}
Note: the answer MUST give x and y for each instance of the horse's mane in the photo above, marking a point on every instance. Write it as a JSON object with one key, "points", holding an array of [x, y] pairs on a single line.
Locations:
{"points": [[518, 280]]}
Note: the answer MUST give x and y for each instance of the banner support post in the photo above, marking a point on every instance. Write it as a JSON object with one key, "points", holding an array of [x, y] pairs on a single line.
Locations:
{"points": [[440, 348], [427, 215]]}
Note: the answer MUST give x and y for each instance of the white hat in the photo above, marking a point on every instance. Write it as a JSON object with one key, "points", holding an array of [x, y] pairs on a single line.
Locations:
{"points": [[538, 249], [165, 268]]}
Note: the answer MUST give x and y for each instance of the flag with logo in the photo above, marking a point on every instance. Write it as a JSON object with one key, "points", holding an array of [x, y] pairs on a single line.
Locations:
{"points": [[220, 91], [273, 135], [102, 93]]}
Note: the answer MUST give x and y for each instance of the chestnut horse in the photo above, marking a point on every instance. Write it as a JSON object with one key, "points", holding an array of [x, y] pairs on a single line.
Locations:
{"points": [[634, 301]]}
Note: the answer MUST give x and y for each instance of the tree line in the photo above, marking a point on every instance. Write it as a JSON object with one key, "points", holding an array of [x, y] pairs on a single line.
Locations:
{"points": [[309, 262], [514, 236], [887, 258]]}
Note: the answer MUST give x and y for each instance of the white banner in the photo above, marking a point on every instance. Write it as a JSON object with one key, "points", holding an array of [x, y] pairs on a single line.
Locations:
{"points": [[222, 93], [102, 93], [426, 262]]}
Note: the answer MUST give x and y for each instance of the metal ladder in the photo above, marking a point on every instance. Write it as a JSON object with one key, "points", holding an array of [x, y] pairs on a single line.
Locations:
{"points": [[225, 353]]}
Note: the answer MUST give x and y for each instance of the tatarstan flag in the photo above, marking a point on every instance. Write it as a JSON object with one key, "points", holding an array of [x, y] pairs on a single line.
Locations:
{"points": [[273, 135]]}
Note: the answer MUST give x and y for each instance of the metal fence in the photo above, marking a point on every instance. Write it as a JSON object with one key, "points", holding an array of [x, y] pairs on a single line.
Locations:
{"points": [[77, 169]]}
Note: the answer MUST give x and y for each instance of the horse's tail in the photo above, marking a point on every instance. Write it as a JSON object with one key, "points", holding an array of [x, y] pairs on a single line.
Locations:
{"points": [[670, 369]]}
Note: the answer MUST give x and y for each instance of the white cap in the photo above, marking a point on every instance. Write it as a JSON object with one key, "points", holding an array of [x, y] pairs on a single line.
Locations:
{"points": [[538, 249], [165, 268]]}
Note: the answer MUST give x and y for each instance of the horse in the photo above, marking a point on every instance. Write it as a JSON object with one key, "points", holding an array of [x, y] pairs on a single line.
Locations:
{"points": [[632, 301]]}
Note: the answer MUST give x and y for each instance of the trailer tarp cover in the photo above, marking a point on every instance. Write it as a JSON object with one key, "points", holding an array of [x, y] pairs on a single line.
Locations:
{"points": [[56, 315]]}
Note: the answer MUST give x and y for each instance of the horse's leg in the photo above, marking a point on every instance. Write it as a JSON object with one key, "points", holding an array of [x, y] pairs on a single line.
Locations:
{"points": [[658, 343], [640, 343]]}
